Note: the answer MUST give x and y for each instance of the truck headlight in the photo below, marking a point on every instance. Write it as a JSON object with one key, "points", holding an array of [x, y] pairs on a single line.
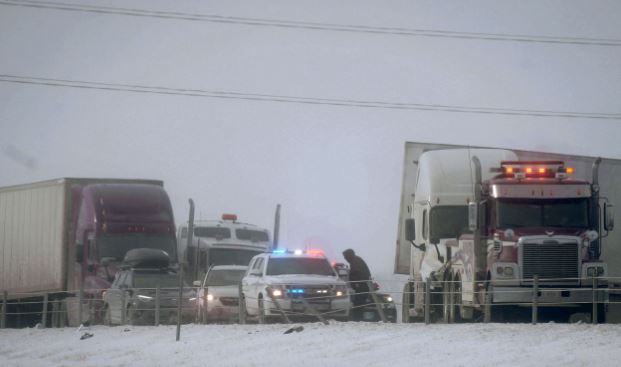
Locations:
{"points": [[340, 290], [210, 297]]}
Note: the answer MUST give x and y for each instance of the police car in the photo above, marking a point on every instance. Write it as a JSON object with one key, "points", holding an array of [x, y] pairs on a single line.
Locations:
{"points": [[298, 283]]}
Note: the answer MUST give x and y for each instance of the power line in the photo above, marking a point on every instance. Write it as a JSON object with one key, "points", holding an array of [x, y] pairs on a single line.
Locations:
{"points": [[311, 25], [300, 100]]}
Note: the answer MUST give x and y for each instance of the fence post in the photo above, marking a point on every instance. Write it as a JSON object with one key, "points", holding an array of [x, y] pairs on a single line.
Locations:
{"points": [[427, 302], [379, 306], [44, 311], [241, 305], [594, 290], [202, 317], [157, 305], [535, 298], [80, 298], [123, 309], [3, 316]]}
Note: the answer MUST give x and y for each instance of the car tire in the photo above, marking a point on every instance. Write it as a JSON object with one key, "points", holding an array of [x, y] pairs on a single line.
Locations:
{"points": [[261, 310]]}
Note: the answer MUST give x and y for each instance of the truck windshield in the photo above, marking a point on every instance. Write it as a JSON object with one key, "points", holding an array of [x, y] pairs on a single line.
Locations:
{"points": [[225, 277], [563, 213], [448, 221], [252, 235], [304, 265], [116, 246], [153, 279], [212, 232]]}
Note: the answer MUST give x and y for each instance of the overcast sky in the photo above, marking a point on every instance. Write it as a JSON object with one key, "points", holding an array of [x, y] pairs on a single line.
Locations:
{"points": [[335, 169]]}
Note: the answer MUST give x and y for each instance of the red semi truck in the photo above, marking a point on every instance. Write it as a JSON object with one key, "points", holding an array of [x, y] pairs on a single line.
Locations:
{"points": [[65, 236]]}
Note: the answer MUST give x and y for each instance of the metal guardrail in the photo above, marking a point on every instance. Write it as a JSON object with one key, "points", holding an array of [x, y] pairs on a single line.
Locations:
{"points": [[52, 309]]}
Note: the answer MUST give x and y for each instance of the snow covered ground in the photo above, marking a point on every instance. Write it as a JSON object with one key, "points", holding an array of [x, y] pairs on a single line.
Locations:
{"points": [[337, 344]]}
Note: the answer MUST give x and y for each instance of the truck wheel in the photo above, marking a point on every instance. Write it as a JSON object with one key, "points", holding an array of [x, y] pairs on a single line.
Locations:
{"points": [[129, 316], [406, 304], [446, 301], [106, 320], [456, 301]]}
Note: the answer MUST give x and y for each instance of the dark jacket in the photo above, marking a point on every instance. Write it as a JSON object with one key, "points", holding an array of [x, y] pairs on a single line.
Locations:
{"points": [[358, 270]]}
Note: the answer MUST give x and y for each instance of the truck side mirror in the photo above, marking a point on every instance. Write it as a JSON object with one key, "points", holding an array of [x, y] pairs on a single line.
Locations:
{"points": [[473, 216], [409, 229], [609, 217]]}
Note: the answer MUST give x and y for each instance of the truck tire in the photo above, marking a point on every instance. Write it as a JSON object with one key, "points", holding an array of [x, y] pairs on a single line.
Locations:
{"points": [[406, 303], [106, 320], [446, 301]]}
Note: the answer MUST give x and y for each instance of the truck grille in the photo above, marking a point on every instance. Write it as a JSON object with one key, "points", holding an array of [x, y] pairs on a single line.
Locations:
{"points": [[553, 262]]}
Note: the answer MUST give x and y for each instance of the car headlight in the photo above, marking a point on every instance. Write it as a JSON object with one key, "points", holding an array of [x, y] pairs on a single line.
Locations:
{"points": [[388, 299], [144, 298], [276, 292], [210, 297]]}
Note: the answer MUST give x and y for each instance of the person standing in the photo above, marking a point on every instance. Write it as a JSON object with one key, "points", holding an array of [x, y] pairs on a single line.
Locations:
{"points": [[359, 275]]}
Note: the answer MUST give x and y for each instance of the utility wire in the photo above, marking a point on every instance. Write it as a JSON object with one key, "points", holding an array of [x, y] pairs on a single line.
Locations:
{"points": [[300, 100], [311, 25]]}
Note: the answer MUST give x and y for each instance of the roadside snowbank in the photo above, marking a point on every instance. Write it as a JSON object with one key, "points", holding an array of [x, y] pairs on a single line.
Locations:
{"points": [[346, 344]]}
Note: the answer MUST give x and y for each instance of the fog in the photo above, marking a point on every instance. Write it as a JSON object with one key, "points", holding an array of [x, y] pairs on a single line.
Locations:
{"points": [[336, 170]]}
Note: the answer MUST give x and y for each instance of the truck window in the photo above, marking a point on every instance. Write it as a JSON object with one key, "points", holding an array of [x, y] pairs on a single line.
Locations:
{"points": [[212, 232], [448, 221], [116, 246], [225, 277], [252, 235]]}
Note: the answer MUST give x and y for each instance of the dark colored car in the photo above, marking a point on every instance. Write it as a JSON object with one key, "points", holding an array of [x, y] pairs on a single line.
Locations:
{"points": [[132, 298]]}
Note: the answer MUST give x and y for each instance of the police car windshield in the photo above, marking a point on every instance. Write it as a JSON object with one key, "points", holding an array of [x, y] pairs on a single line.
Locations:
{"points": [[299, 265]]}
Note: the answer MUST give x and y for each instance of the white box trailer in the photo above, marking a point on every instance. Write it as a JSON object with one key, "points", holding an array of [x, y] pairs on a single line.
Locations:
{"points": [[33, 237]]}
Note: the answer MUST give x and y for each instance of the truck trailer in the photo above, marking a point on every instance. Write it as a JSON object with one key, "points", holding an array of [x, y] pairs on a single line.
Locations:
{"points": [[62, 240], [484, 225]]}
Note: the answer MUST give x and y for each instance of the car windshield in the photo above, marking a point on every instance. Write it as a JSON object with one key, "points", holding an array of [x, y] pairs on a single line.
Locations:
{"points": [[563, 213], [220, 277], [299, 265], [116, 246], [152, 280], [231, 256]]}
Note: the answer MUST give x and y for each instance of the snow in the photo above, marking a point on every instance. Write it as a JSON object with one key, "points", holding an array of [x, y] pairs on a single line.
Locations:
{"points": [[347, 344]]}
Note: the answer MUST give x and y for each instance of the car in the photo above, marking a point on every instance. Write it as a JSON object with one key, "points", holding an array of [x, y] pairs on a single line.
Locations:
{"points": [[132, 297], [218, 293], [297, 283]]}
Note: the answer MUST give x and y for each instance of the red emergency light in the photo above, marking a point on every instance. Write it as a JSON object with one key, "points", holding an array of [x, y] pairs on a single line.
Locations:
{"points": [[232, 217]]}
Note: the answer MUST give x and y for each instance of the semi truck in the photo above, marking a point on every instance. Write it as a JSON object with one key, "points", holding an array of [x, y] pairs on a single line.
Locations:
{"points": [[485, 225], [220, 242], [62, 240]]}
